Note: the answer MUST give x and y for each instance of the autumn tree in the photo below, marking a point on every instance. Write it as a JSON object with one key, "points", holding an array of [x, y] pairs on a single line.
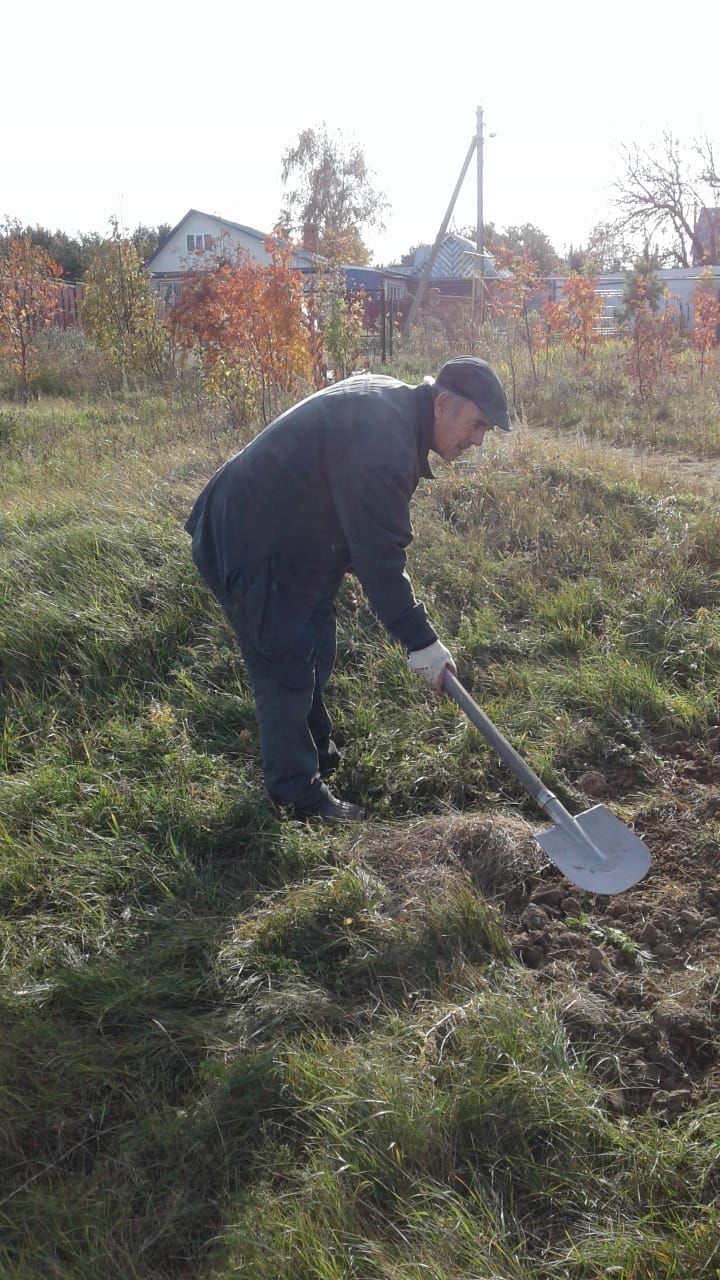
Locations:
{"points": [[119, 312], [576, 315], [706, 328], [330, 188], [515, 301], [650, 323], [661, 189], [28, 301], [248, 324]]}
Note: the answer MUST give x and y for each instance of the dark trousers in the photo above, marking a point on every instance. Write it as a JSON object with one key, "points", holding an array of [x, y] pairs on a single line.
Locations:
{"points": [[294, 726]]}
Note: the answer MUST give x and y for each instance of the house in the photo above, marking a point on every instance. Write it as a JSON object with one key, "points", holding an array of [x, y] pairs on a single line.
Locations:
{"points": [[374, 280], [707, 233], [200, 240], [454, 268], [678, 285]]}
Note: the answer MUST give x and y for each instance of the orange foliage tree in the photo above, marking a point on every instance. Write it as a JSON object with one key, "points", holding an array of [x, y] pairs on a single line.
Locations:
{"points": [[28, 301], [653, 327], [576, 317], [706, 329], [249, 326], [653, 339], [516, 296]]}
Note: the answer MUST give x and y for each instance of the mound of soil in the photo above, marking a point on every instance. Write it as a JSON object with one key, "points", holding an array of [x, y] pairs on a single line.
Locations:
{"points": [[635, 978]]}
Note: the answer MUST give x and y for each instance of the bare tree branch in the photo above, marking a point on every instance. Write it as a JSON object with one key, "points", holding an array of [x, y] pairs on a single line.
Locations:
{"points": [[663, 188]]}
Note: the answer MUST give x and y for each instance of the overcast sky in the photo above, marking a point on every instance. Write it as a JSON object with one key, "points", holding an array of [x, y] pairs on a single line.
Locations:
{"points": [[143, 110]]}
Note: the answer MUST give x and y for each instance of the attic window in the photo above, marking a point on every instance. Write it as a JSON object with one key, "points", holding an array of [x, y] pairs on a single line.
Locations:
{"points": [[196, 244]]}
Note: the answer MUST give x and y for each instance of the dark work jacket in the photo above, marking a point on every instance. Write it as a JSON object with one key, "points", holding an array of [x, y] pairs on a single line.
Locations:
{"points": [[324, 488]]}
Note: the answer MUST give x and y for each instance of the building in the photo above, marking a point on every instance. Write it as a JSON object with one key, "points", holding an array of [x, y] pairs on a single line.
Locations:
{"points": [[456, 265], [707, 233], [678, 283], [201, 240]]}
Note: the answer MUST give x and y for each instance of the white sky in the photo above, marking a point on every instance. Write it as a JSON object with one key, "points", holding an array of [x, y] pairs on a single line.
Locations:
{"points": [[143, 110]]}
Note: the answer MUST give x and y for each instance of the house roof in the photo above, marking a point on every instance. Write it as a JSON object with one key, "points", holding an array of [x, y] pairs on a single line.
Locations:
{"points": [[225, 222], [670, 275], [457, 259]]}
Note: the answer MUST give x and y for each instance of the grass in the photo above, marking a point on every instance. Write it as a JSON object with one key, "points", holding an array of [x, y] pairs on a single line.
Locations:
{"points": [[233, 1045]]}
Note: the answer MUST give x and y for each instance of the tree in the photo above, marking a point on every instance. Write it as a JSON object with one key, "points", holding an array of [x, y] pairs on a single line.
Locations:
{"points": [[661, 189], [28, 301], [334, 194], [147, 239], [248, 324], [68, 251], [529, 240], [576, 317], [522, 241], [706, 329], [643, 289], [336, 318], [653, 332], [119, 312], [607, 249], [515, 299], [75, 253]]}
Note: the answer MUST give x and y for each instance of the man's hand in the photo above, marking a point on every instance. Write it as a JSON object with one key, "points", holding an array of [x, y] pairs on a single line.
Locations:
{"points": [[430, 663]]}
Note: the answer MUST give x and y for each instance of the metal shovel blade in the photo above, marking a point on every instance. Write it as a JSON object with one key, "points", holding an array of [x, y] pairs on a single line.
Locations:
{"points": [[595, 850], [623, 861]]}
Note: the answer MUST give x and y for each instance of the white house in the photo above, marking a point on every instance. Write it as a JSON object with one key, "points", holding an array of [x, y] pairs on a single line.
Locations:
{"points": [[199, 240]]}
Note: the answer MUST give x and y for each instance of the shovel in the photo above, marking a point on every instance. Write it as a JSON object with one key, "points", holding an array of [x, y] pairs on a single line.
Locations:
{"points": [[595, 850]]}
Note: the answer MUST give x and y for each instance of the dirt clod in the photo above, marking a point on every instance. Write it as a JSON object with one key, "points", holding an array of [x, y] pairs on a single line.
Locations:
{"points": [[598, 961], [549, 895], [593, 783]]}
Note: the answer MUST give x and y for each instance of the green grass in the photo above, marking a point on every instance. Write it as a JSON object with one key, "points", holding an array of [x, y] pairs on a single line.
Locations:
{"points": [[233, 1045]]}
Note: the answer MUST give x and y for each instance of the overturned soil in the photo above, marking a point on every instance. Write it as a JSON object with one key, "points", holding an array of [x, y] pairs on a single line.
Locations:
{"points": [[635, 977]]}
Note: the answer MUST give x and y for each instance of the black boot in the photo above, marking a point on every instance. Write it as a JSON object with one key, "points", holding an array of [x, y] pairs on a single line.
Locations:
{"points": [[331, 811]]}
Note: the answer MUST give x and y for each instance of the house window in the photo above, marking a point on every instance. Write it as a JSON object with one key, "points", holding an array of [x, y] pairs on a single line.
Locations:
{"points": [[196, 244], [209, 243]]}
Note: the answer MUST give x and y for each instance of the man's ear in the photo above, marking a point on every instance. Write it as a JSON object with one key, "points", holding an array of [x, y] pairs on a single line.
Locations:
{"points": [[441, 403]]}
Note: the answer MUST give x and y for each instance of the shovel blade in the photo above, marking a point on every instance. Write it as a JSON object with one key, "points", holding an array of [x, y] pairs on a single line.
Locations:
{"points": [[620, 861]]}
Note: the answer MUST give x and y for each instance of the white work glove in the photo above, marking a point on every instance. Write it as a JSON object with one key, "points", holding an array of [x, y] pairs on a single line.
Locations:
{"points": [[430, 663]]}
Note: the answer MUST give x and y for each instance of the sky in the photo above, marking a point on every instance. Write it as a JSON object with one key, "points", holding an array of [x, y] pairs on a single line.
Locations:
{"points": [[141, 111]]}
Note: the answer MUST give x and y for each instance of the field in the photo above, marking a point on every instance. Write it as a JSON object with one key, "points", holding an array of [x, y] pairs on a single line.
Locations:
{"points": [[234, 1045]]}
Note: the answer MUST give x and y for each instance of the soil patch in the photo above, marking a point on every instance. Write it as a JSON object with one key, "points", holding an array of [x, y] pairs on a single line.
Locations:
{"points": [[636, 977]]}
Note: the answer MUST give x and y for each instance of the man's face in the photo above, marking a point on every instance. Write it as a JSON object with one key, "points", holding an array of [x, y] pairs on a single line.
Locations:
{"points": [[459, 425]]}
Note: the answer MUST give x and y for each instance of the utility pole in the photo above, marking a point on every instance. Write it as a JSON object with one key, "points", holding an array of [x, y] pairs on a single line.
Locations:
{"points": [[476, 146], [430, 260], [480, 228]]}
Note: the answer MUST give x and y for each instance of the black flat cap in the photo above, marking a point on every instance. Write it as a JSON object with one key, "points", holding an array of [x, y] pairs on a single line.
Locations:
{"points": [[476, 380]]}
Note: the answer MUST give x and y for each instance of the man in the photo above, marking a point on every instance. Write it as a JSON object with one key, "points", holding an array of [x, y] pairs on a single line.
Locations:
{"points": [[325, 490]]}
